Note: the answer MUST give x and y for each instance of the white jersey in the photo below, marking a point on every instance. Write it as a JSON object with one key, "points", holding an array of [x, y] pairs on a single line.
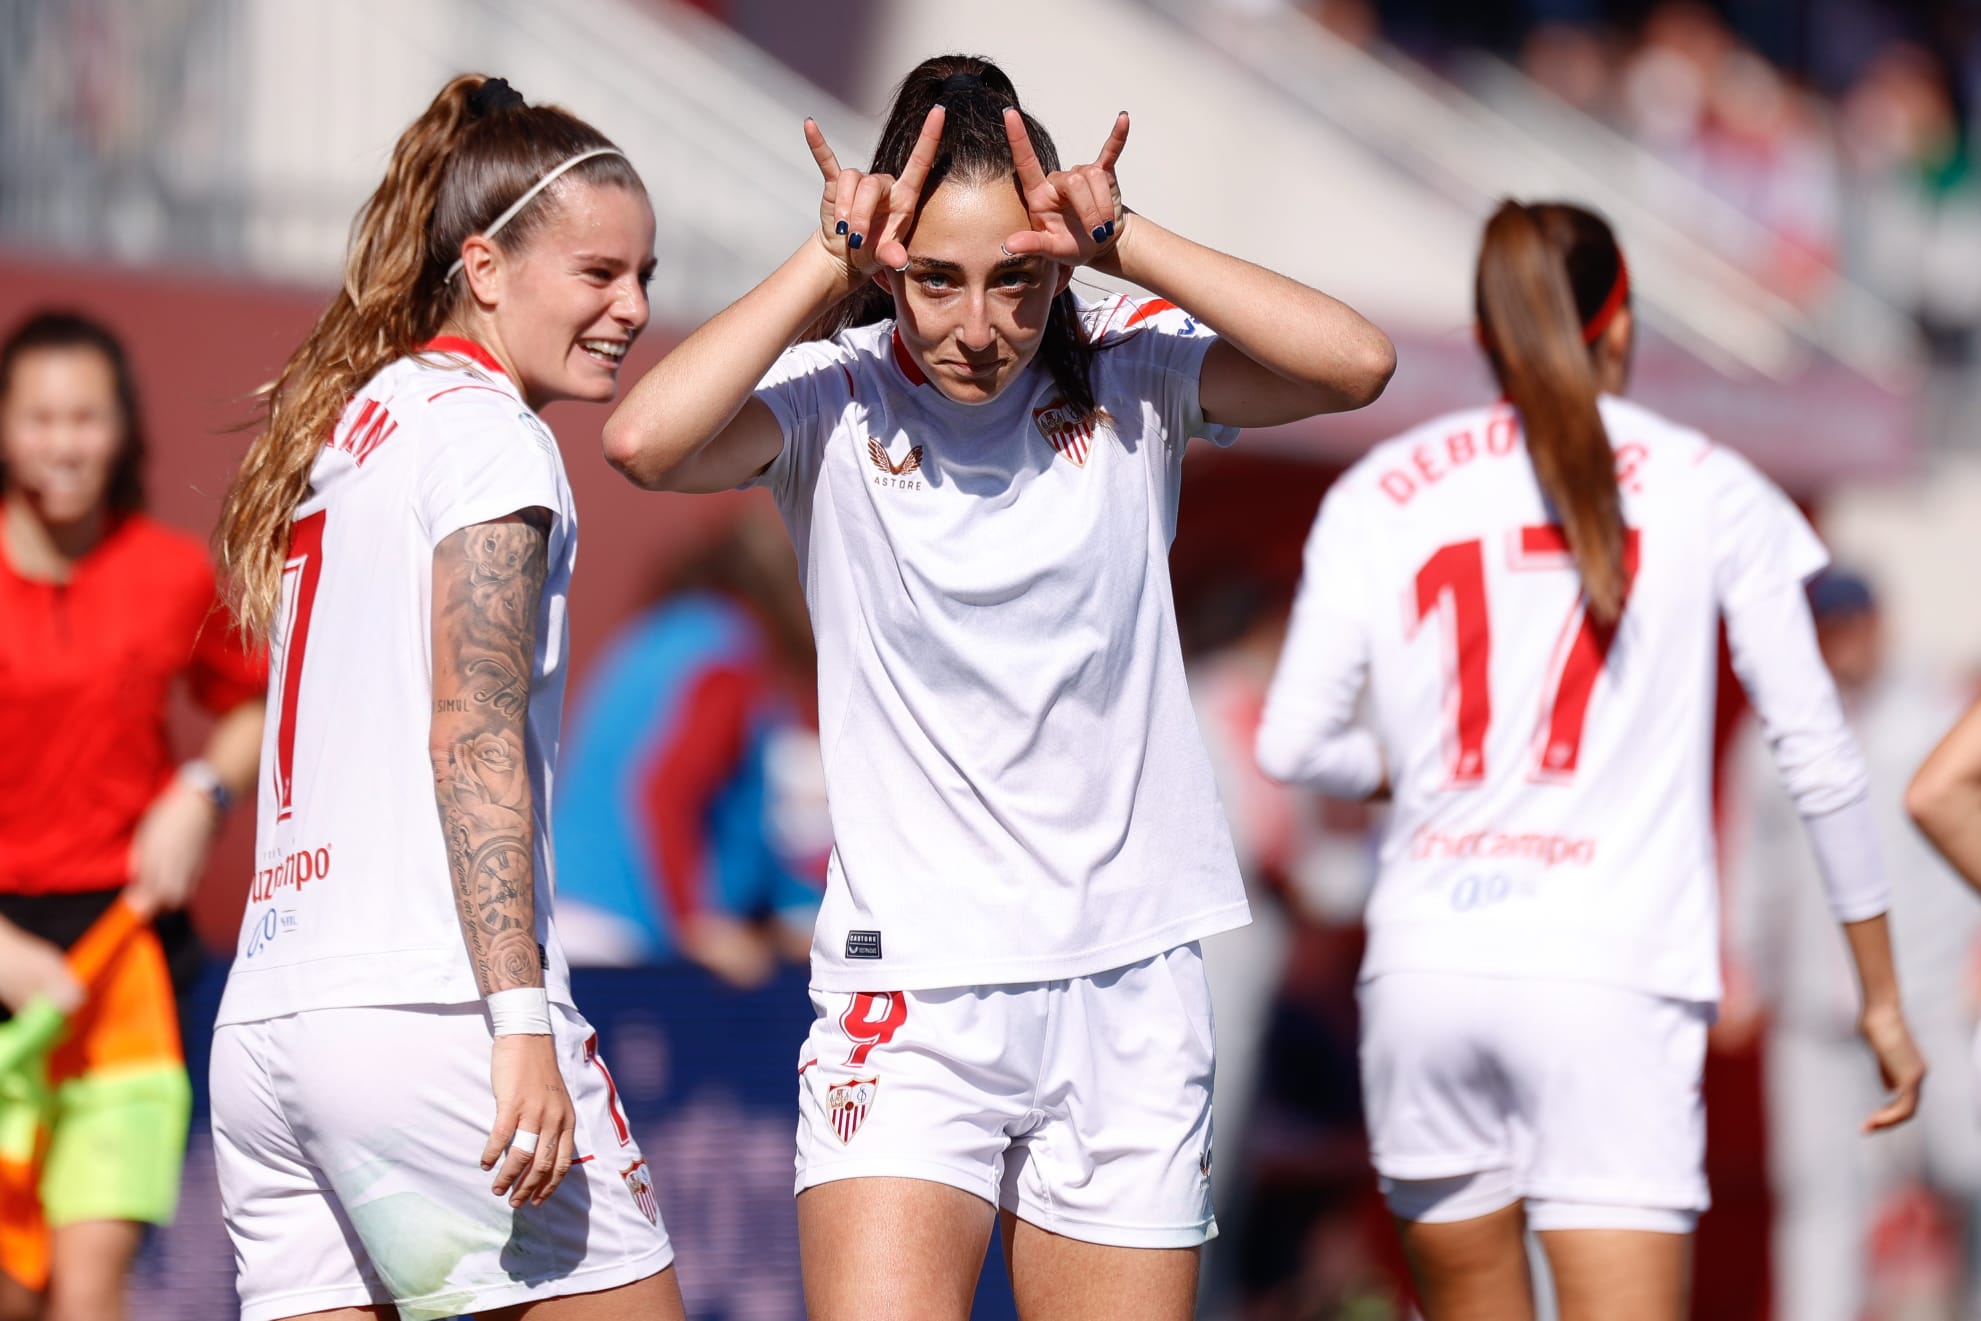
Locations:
{"points": [[1552, 786], [1017, 785], [352, 901]]}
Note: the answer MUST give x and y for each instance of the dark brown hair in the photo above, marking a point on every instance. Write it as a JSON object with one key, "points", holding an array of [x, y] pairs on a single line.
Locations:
{"points": [[973, 93], [474, 151], [1545, 272], [57, 331]]}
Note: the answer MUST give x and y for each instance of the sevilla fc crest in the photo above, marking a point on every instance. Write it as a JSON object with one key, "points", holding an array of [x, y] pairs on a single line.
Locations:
{"points": [[639, 1182], [1070, 434], [847, 1104]]}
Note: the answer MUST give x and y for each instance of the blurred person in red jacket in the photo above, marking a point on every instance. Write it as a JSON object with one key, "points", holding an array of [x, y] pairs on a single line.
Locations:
{"points": [[102, 612]]}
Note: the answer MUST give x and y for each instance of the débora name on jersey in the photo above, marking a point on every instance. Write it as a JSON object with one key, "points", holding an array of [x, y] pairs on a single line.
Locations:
{"points": [[1432, 461], [294, 872]]}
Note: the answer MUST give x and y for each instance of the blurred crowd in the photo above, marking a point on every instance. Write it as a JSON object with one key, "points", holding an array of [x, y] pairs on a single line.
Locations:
{"points": [[1858, 164], [1838, 132]]}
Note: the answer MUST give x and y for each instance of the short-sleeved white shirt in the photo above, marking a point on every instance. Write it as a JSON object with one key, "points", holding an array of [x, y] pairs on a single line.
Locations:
{"points": [[1018, 788], [1552, 812], [352, 901]]}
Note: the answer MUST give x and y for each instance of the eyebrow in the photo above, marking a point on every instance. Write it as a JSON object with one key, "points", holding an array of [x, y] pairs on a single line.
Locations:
{"points": [[936, 264]]}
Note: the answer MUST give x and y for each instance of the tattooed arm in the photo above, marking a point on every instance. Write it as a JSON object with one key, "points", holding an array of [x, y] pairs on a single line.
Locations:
{"points": [[487, 582]]}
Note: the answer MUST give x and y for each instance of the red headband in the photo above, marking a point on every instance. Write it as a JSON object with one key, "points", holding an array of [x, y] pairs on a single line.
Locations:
{"points": [[1619, 294]]}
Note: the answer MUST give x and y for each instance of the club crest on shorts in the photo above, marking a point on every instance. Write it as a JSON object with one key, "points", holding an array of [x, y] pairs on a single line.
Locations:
{"points": [[639, 1182], [1060, 423], [847, 1104]]}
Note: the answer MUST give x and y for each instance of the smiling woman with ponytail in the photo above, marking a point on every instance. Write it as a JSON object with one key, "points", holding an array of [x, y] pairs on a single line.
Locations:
{"points": [[1543, 956], [402, 535]]}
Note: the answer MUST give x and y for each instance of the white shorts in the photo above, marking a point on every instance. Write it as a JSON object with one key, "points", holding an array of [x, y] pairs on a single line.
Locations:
{"points": [[1083, 1106], [348, 1144], [1579, 1099]]}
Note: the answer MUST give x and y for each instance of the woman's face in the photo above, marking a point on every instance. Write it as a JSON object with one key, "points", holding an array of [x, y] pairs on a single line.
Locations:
{"points": [[568, 306], [61, 431], [970, 316]]}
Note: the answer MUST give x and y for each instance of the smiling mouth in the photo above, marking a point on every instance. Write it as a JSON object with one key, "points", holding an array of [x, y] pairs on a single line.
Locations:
{"points": [[608, 351]]}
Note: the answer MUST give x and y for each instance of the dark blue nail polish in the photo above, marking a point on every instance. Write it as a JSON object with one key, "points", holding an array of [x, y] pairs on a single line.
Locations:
{"points": [[856, 240], [839, 228], [1100, 233], [1110, 229]]}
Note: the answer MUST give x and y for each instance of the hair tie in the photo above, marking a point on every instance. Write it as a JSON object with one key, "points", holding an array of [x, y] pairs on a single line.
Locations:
{"points": [[494, 94], [958, 85], [1619, 293]]}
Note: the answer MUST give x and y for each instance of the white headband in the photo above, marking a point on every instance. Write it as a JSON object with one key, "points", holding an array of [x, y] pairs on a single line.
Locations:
{"points": [[530, 196]]}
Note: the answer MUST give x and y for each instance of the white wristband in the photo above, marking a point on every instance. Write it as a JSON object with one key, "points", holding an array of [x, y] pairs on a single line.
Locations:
{"points": [[524, 1011]]}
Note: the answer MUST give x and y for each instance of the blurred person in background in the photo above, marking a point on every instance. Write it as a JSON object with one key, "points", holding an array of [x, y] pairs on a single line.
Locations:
{"points": [[103, 613], [1289, 1224], [1784, 945], [1246, 967], [402, 531], [1543, 957], [688, 781]]}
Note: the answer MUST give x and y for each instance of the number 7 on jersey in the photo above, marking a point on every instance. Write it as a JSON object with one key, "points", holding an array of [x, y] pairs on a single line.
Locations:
{"points": [[1454, 578], [299, 578]]}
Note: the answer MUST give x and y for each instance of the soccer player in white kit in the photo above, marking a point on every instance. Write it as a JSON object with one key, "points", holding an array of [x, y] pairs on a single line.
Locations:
{"points": [[980, 476], [403, 534], [1528, 596]]}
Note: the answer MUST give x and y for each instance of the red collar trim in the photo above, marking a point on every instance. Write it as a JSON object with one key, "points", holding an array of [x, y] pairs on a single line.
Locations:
{"points": [[905, 362], [465, 348]]}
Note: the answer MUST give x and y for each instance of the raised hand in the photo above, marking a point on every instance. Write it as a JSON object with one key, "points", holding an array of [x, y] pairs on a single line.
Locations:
{"points": [[864, 219], [1076, 214]]}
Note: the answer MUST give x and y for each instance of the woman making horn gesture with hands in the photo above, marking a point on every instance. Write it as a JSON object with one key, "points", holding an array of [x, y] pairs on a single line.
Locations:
{"points": [[980, 476]]}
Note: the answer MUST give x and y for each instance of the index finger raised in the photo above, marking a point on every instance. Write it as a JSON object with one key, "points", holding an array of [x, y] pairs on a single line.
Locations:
{"points": [[828, 163], [922, 159], [1023, 159], [1117, 138]]}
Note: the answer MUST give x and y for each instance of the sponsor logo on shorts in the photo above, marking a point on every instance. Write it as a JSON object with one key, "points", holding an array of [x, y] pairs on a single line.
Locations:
{"points": [[900, 474], [639, 1182], [847, 1103], [863, 944]]}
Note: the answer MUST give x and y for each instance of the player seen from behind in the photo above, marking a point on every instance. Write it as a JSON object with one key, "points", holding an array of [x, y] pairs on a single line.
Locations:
{"points": [[1529, 594]]}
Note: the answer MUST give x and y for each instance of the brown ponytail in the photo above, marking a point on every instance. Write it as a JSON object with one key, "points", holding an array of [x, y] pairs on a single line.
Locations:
{"points": [[1537, 268], [474, 151]]}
